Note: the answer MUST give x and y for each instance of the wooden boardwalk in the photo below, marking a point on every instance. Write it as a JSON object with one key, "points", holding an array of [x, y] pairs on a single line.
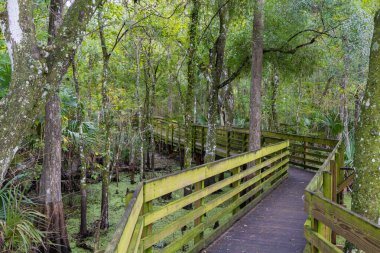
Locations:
{"points": [[274, 219], [276, 224]]}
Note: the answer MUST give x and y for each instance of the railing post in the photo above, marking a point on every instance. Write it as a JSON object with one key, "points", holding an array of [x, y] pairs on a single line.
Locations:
{"points": [[148, 206], [203, 141], [235, 185], [172, 124], [334, 170], [197, 187], [339, 172], [167, 136], [193, 139], [314, 227], [160, 145], [304, 154], [179, 137], [228, 143], [327, 193]]}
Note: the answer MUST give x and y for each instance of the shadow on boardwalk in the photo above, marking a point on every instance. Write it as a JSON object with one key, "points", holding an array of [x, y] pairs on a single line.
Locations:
{"points": [[274, 225]]}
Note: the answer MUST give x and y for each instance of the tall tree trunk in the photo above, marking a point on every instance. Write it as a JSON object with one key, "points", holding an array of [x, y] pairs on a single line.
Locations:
{"points": [[257, 69], [83, 167], [366, 195], [50, 183], [216, 66], [366, 189], [191, 80], [106, 123]]}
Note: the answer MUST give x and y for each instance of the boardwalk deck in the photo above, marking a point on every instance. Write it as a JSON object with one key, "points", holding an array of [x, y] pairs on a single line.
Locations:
{"points": [[274, 225]]}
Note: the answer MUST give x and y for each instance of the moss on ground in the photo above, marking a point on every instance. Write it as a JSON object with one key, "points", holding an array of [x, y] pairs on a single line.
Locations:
{"points": [[116, 205], [116, 210]]}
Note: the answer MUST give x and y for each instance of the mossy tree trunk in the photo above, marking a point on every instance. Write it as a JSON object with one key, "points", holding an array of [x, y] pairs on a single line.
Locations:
{"points": [[257, 69], [191, 81], [366, 195], [216, 66]]}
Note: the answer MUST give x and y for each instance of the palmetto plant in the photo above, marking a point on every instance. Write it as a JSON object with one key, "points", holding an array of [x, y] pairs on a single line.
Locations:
{"points": [[17, 222], [332, 123]]}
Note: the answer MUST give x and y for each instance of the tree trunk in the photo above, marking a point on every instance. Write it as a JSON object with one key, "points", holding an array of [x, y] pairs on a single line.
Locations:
{"points": [[257, 69], [50, 182], [366, 196], [83, 164], [366, 189], [191, 81], [216, 66]]}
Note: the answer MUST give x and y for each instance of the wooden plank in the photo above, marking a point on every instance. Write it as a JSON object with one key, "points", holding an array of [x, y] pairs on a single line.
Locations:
{"points": [[356, 229], [124, 231], [158, 187]]}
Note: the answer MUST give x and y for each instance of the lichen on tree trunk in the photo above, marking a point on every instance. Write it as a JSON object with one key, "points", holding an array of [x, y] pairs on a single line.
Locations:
{"points": [[257, 69], [191, 80], [366, 195], [216, 64]]}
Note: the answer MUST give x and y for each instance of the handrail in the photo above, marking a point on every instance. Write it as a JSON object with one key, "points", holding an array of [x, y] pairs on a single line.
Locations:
{"points": [[327, 218]]}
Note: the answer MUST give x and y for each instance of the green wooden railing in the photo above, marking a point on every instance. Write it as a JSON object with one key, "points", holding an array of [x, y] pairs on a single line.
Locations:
{"points": [[306, 152], [328, 218], [157, 222]]}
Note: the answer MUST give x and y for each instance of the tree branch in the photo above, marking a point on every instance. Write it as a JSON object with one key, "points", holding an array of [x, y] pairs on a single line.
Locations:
{"points": [[208, 25], [234, 75]]}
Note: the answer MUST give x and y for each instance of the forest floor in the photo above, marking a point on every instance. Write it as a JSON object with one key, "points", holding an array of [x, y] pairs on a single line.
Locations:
{"points": [[163, 166]]}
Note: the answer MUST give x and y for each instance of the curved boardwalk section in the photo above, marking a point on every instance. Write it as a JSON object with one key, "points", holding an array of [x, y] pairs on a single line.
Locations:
{"points": [[276, 224]]}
